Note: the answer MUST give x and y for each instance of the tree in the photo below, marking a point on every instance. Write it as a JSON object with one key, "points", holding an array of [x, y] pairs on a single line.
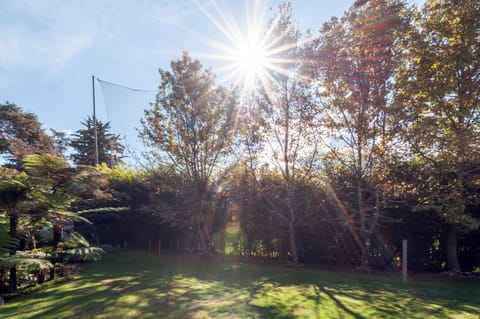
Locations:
{"points": [[13, 262], [288, 133], [6, 242], [439, 89], [110, 151], [61, 141], [354, 60], [190, 127], [52, 178], [21, 134], [13, 189]]}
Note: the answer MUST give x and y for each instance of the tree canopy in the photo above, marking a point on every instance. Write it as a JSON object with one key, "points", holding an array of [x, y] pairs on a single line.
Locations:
{"points": [[21, 134]]}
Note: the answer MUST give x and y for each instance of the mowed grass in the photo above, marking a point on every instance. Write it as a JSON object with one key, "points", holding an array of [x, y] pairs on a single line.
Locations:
{"points": [[139, 285]]}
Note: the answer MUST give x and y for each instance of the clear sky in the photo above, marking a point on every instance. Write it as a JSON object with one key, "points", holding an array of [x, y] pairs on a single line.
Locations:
{"points": [[51, 48]]}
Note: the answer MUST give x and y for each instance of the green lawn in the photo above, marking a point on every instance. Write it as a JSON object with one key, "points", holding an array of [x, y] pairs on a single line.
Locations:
{"points": [[138, 285]]}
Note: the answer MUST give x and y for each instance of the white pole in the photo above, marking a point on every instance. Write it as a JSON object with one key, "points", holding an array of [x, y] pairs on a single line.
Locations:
{"points": [[95, 122], [404, 260]]}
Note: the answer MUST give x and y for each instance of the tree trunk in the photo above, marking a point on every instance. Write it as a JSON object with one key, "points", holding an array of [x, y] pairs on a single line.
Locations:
{"points": [[13, 230], [203, 240], [57, 236], [41, 277], [452, 257], [365, 239], [293, 243], [3, 279], [52, 272], [13, 279], [13, 250]]}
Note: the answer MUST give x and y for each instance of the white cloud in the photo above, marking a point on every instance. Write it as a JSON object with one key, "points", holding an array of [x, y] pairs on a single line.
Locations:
{"points": [[41, 33], [23, 48], [48, 33]]}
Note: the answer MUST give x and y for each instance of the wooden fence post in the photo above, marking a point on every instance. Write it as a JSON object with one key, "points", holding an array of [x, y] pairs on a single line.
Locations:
{"points": [[404, 260]]}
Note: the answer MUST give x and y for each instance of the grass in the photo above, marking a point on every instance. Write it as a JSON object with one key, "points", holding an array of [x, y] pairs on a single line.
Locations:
{"points": [[138, 285]]}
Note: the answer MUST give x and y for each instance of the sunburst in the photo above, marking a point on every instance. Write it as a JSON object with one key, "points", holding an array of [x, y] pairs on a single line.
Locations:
{"points": [[250, 54], [250, 60]]}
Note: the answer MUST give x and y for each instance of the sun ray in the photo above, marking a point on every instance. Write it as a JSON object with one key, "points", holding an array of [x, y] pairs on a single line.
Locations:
{"points": [[252, 56]]}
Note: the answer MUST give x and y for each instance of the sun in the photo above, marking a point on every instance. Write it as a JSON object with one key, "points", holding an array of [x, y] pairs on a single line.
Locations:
{"points": [[248, 50], [251, 60]]}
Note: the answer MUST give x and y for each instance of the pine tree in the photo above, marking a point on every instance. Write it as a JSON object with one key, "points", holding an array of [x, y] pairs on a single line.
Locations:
{"points": [[110, 151]]}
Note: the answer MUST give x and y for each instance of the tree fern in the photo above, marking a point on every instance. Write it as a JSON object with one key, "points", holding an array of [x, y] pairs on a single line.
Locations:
{"points": [[6, 242]]}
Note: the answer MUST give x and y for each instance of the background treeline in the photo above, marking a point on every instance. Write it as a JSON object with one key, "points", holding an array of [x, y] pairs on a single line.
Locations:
{"points": [[361, 136]]}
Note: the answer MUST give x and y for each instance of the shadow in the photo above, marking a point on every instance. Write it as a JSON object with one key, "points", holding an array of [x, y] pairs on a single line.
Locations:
{"points": [[275, 312], [338, 303], [273, 309]]}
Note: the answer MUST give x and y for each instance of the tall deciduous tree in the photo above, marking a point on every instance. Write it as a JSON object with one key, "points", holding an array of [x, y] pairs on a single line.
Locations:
{"points": [[288, 136], [190, 128], [354, 60], [110, 150], [439, 88]]}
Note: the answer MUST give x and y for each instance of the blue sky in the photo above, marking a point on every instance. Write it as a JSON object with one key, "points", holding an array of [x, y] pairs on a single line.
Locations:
{"points": [[51, 48]]}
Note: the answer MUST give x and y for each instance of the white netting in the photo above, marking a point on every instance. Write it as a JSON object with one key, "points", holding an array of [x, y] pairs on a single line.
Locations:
{"points": [[124, 109]]}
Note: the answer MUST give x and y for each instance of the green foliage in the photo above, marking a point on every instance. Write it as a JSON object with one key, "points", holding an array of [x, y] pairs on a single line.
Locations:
{"points": [[47, 166], [6, 242], [438, 87], [13, 189], [80, 254], [192, 120], [76, 240], [24, 263], [51, 177]]}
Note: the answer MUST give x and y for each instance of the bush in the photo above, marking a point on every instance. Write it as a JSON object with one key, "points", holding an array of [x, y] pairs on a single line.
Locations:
{"points": [[76, 255]]}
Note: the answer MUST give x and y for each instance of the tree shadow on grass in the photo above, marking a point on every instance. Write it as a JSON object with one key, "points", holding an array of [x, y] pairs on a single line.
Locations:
{"points": [[273, 309], [337, 302]]}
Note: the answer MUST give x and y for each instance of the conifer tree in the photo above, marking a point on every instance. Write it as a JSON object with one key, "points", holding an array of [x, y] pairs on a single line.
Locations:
{"points": [[110, 151]]}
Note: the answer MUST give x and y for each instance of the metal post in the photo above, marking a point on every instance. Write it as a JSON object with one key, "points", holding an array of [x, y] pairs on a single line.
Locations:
{"points": [[95, 122], [404, 260]]}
